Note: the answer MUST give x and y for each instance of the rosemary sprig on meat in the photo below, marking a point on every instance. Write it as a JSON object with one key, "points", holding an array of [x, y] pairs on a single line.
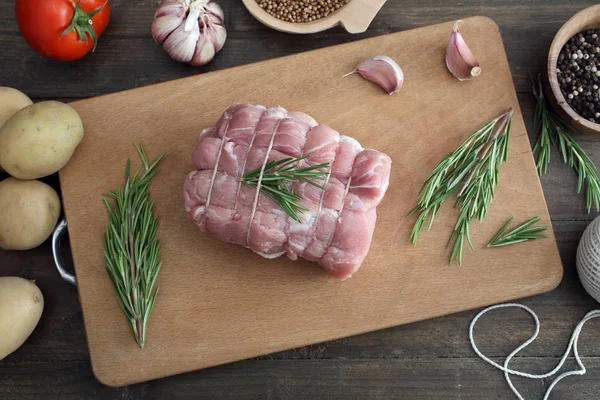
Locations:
{"points": [[277, 178], [553, 130], [131, 247], [471, 170], [522, 233]]}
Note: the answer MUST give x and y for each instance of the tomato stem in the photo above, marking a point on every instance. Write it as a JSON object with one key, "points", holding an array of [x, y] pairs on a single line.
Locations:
{"points": [[82, 23]]}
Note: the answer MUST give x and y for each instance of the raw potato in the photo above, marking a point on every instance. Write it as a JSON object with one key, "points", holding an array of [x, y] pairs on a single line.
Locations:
{"points": [[21, 306], [29, 211], [11, 101], [39, 140]]}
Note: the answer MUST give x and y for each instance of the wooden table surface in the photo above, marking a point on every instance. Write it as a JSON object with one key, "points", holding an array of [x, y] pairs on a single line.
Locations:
{"points": [[426, 360]]}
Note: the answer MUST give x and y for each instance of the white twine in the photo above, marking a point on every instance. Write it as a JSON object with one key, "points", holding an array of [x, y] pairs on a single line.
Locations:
{"points": [[507, 371], [260, 177], [239, 188], [216, 168]]}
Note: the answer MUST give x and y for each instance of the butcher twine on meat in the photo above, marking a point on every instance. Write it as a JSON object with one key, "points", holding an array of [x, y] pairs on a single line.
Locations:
{"points": [[337, 229]]}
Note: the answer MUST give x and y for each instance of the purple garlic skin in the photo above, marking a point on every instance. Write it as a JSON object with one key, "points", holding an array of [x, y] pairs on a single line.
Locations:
{"points": [[383, 71], [459, 58], [181, 45], [191, 31]]}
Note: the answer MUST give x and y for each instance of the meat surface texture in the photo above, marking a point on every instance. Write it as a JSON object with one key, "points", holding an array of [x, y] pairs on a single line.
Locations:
{"points": [[337, 229]]}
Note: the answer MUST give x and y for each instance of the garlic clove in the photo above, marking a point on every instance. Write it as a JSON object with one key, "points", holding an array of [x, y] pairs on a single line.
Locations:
{"points": [[163, 26], [181, 44], [204, 53], [171, 7], [218, 35], [382, 71], [459, 58], [168, 17], [215, 13]]}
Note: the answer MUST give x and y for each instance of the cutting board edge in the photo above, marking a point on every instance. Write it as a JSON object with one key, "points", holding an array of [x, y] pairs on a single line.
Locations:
{"points": [[98, 374], [484, 18], [519, 112]]}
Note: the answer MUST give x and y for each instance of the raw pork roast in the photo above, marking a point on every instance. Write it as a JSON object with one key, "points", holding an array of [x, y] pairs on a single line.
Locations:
{"points": [[336, 231]]}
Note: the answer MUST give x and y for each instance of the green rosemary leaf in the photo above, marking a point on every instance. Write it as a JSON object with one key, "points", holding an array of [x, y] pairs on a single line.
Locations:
{"points": [[279, 172], [313, 183], [508, 243], [501, 231], [312, 168], [435, 210], [285, 193], [529, 232], [285, 206], [279, 179], [461, 176], [468, 235], [522, 227], [131, 247], [522, 233], [545, 139], [414, 235]]}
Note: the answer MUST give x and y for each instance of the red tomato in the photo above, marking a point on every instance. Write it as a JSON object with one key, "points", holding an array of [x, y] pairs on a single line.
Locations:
{"points": [[62, 29]]}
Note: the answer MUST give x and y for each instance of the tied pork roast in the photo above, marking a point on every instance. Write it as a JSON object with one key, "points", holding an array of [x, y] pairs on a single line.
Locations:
{"points": [[337, 229]]}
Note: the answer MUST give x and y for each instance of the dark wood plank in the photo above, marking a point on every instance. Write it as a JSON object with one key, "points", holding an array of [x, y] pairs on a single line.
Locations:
{"points": [[127, 57], [384, 379]]}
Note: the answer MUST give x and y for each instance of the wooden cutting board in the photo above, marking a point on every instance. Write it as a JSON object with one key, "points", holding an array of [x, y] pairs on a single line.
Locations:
{"points": [[220, 303]]}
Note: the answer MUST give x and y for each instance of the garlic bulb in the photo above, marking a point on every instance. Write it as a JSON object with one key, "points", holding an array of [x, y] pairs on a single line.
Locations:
{"points": [[382, 71], [190, 31], [459, 58]]}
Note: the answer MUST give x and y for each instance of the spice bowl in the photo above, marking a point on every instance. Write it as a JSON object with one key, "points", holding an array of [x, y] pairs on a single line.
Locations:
{"points": [[582, 21], [355, 17]]}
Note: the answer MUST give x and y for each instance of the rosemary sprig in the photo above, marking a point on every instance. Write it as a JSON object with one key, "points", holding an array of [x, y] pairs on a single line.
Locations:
{"points": [[131, 247], [553, 130], [523, 233], [546, 138], [278, 177], [471, 170]]}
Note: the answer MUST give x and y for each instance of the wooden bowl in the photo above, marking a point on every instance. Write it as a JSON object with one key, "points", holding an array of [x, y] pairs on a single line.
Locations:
{"points": [[355, 17], [584, 20]]}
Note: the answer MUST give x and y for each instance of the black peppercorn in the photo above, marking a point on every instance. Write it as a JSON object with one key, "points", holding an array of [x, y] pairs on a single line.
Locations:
{"points": [[578, 72]]}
